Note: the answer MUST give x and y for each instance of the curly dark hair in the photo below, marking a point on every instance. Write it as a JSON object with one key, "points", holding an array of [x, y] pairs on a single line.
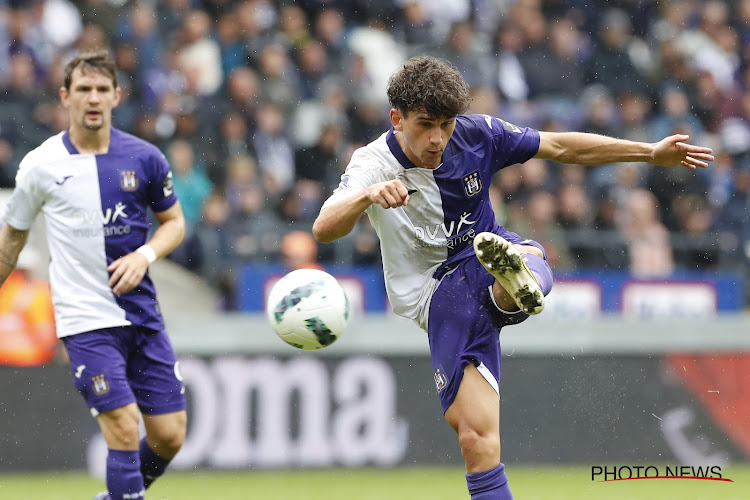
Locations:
{"points": [[429, 85], [98, 61]]}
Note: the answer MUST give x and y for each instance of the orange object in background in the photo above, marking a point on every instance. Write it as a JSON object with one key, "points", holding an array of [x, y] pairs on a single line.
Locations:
{"points": [[719, 381], [27, 321], [299, 250]]}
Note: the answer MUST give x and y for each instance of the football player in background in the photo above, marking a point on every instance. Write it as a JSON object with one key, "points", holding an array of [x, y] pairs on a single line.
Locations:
{"points": [[448, 264], [94, 184]]}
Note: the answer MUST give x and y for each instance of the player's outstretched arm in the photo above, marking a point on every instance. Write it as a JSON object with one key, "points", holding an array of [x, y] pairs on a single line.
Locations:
{"points": [[12, 241], [339, 219], [129, 270], [593, 149]]}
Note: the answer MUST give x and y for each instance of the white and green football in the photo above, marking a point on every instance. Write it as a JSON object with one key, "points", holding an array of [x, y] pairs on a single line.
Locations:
{"points": [[308, 309]]}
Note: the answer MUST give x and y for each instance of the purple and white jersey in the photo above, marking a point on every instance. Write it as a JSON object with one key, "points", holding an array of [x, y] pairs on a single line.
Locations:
{"points": [[449, 205], [95, 211]]}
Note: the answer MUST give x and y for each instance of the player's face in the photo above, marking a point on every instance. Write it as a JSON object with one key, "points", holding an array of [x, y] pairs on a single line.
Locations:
{"points": [[423, 138], [90, 100]]}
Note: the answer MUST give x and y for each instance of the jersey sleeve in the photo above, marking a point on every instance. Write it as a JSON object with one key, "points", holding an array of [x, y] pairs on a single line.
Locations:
{"points": [[355, 179], [25, 202], [161, 193], [510, 144]]}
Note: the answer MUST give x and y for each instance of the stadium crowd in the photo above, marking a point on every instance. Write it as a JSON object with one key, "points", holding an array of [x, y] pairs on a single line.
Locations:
{"points": [[258, 104]]}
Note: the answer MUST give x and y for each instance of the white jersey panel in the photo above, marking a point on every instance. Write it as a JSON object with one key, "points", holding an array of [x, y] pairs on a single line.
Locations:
{"points": [[412, 238], [78, 268], [66, 189]]}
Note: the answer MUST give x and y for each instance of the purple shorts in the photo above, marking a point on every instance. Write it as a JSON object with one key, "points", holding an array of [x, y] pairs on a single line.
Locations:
{"points": [[464, 325], [117, 366]]}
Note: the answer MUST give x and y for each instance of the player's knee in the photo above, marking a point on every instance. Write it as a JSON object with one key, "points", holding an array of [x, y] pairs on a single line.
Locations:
{"points": [[170, 438], [477, 446], [171, 443], [121, 430]]}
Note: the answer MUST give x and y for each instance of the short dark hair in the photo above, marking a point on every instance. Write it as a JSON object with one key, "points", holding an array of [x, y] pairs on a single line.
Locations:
{"points": [[96, 61], [429, 85]]}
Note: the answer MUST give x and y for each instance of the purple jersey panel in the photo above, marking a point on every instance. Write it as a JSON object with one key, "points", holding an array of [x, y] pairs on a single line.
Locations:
{"points": [[133, 176], [479, 147]]}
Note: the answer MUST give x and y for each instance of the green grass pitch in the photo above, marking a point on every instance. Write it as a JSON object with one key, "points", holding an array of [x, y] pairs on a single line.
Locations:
{"points": [[413, 483]]}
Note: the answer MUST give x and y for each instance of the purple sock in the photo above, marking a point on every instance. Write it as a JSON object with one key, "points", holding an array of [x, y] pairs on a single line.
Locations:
{"points": [[152, 465], [124, 478], [489, 484], [541, 270]]}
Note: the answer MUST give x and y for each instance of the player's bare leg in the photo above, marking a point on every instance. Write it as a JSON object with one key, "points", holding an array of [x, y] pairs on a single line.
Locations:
{"points": [[475, 416], [516, 287], [165, 435], [121, 432], [120, 427]]}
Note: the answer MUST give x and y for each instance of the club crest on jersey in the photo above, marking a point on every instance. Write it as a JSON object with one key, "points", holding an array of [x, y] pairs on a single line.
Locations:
{"points": [[440, 379], [101, 386], [128, 180], [472, 184]]}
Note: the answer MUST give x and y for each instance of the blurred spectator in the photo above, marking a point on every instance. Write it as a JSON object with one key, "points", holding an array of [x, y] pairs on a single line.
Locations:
{"points": [[381, 56], [647, 238], [253, 229], [200, 55], [279, 83], [511, 77], [299, 250], [228, 36], [676, 116], [274, 153], [312, 62], [550, 57], [467, 54], [574, 211], [634, 109], [537, 218], [141, 28], [733, 221], [233, 141], [320, 163], [415, 29], [715, 45], [190, 181], [216, 256], [330, 29], [611, 63], [100, 12], [294, 26], [241, 176]]}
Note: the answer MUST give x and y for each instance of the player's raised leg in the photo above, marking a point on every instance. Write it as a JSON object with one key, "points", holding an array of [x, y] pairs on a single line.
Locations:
{"points": [[523, 277], [475, 416]]}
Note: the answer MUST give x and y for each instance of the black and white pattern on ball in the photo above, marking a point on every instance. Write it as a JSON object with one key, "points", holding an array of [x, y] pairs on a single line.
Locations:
{"points": [[295, 296], [319, 328]]}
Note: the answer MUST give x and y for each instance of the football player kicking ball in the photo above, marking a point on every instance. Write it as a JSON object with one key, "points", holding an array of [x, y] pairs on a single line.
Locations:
{"points": [[94, 185], [448, 265]]}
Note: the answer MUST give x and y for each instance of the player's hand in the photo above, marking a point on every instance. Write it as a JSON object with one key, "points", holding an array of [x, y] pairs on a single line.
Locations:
{"points": [[673, 150], [389, 194], [127, 272]]}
